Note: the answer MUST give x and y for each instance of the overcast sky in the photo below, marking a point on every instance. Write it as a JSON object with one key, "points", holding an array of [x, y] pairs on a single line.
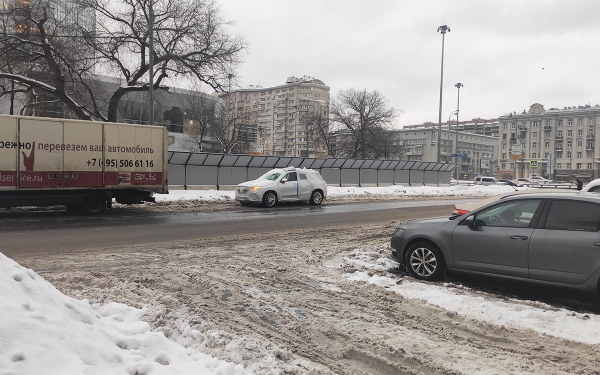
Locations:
{"points": [[507, 54]]}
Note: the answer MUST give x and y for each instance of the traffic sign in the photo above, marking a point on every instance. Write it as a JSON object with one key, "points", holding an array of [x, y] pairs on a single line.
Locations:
{"points": [[533, 163], [463, 155], [453, 155]]}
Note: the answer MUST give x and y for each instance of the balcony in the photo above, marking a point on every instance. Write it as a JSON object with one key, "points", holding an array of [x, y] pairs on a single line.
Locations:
{"points": [[547, 127], [559, 137], [513, 140], [590, 136]]}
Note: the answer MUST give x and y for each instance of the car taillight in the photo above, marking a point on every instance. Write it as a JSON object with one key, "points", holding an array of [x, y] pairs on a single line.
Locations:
{"points": [[459, 212]]}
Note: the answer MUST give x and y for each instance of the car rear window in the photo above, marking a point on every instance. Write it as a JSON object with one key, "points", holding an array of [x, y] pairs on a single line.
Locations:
{"points": [[576, 216], [302, 176]]}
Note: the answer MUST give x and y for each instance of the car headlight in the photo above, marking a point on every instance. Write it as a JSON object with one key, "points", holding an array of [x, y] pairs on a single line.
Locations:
{"points": [[255, 188], [399, 232]]}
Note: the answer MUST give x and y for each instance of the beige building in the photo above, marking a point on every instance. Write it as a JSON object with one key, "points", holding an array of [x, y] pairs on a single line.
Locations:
{"points": [[282, 116], [476, 126], [479, 153], [561, 142]]}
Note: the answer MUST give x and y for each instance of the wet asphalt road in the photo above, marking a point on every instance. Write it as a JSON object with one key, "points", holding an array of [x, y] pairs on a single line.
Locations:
{"points": [[42, 232]]}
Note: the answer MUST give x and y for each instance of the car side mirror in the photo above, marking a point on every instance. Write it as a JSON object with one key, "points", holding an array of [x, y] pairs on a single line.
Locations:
{"points": [[283, 180], [470, 220]]}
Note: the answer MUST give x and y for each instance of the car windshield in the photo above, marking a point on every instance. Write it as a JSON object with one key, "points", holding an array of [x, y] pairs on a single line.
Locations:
{"points": [[271, 176]]}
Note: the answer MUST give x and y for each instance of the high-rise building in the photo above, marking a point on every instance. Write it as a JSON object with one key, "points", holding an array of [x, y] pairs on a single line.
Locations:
{"points": [[559, 144], [285, 116]]}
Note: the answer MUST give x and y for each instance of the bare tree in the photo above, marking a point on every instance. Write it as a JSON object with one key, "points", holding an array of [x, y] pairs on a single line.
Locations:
{"points": [[318, 133], [190, 44], [43, 57], [50, 59], [362, 120], [235, 127], [200, 111]]}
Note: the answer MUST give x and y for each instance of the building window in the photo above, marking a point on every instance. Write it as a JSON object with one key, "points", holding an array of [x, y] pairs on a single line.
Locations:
{"points": [[560, 122], [559, 134], [570, 122], [559, 155], [579, 155], [580, 121], [547, 123], [579, 143], [590, 144], [512, 125], [591, 121], [547, 134], [589, 154], [547, 145], [578, 165], [569, 144], [569, 133], [580, 132], [534, 145], [534, 155], [589, 166], [504, 126], [535, 124], [558, 166], [568, 154], [504, 147], [504, 136], [503, 165], [559, 145], [535, 134]]}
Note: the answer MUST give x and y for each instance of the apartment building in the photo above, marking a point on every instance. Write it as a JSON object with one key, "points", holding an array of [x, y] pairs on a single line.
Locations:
{"points": [[479, 126], [560, 142], [478, 153], [284, 116]]}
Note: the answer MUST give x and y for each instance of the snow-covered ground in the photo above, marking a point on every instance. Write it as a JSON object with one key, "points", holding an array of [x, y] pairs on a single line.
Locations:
{"points": [[43, 331], [491, 309]]}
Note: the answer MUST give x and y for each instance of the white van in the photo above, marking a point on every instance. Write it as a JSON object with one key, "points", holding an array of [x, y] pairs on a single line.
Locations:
{"points": [[479, 180], [287, 184]]}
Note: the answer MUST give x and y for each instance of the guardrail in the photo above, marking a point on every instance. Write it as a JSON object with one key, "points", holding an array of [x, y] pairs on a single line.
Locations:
{"points": [[189, 170]]}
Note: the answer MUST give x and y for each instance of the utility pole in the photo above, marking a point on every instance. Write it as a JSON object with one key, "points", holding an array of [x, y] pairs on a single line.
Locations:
{"points": [[442, 29]]}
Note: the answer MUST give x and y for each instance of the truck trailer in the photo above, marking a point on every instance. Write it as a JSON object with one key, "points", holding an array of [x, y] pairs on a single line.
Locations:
{"points": [[81, 164]]}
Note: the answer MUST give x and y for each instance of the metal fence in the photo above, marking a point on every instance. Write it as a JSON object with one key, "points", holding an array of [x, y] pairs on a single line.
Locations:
{"points": [[189, 170]]}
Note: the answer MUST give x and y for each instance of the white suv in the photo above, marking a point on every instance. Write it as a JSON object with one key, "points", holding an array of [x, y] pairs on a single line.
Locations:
{"points": [[288, 184]]}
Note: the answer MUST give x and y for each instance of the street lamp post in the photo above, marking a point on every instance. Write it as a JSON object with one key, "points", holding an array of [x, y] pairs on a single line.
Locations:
{"points": [[442, 29], [151, 65], [455, 140], [458, 86]]}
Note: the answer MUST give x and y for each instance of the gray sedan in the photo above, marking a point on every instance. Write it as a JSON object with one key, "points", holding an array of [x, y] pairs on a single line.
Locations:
{"points": [[549, 238]]}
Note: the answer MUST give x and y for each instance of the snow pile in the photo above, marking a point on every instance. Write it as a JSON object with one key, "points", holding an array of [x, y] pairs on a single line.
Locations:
{"points": [[43, 331], [489, 308], [341, 193]]}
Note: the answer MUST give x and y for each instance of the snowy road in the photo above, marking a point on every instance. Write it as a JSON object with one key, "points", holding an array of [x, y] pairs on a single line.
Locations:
{"points": [[326, 300], [60, 231]]}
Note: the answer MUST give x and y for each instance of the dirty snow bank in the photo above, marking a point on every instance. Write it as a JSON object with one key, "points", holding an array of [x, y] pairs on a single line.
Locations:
{"points": [[45, 332]]}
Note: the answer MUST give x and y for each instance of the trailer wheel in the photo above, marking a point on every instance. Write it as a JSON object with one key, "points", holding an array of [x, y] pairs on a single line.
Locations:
{"points": [[94, 204]]}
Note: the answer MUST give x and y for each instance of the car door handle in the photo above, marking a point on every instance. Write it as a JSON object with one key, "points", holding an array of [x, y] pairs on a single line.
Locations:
{"points": [[518, 237], [597, 243]]}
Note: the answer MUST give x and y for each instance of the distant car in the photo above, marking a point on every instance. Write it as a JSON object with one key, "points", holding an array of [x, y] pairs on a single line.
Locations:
{"points": [[510, 183], [547, 238], [283, 185], [593, 186], [480, 180], [464, 208], [539, 180]]}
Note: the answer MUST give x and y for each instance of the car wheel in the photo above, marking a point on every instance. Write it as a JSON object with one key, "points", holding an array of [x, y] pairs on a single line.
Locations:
{"points": [[425, 261], [94, 204], [316, 197], [269, 199]]}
